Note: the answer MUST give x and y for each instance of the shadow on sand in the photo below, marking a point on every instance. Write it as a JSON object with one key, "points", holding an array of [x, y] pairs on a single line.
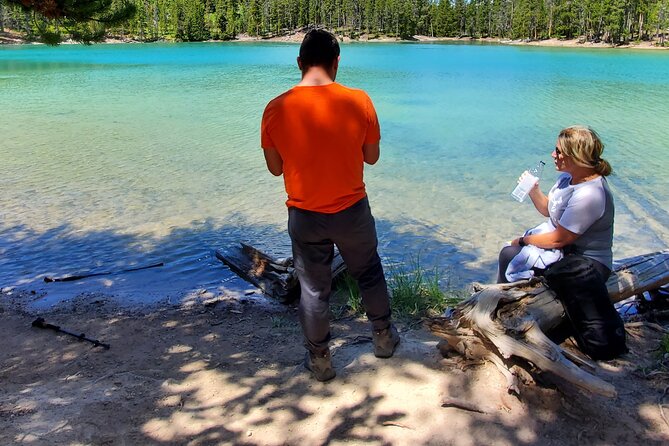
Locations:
{"points": [[229, 371]]}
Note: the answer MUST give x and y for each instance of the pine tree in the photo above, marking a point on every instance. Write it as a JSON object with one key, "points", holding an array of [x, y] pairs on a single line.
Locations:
{"points": [[615, 21], [84, 20], [193, 21], [254, 18]]}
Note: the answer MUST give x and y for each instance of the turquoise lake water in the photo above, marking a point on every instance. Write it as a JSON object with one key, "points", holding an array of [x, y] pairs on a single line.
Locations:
{"points": [[116, 156]]}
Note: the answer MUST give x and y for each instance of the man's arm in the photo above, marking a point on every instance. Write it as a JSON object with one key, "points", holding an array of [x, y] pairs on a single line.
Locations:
{"points": [[371, 152], [274, 161]]}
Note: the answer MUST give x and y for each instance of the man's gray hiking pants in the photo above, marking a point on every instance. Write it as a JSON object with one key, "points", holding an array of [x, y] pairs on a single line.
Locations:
{"points": [[313, 236]]}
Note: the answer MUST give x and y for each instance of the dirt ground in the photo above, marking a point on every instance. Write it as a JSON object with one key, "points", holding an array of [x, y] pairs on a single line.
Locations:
{"points": [[229, 370]]}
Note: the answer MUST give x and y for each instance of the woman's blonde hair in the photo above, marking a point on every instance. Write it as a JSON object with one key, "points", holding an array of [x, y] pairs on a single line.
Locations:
{"points": [[582, 144]]}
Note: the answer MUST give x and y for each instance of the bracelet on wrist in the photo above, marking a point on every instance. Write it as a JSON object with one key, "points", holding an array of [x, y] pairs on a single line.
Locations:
{"points": [[521, 242]]}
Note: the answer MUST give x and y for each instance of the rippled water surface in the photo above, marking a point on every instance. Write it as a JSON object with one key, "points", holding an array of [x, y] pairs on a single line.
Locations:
{"points": [[116, 156]]}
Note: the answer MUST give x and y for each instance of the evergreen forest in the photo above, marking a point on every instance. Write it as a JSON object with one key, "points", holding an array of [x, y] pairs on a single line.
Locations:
{"points": [[611, 21]]}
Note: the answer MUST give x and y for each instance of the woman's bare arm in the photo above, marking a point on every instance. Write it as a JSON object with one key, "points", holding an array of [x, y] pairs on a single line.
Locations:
{"points": [[539, 200], [559, 238]]}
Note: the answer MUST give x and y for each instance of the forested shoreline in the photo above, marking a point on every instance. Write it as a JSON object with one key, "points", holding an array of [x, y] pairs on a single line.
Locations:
{"points": [[610, 21]]}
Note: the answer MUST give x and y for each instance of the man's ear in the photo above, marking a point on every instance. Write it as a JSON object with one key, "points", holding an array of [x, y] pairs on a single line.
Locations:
{"points": [[334, 68], [299, 63]]}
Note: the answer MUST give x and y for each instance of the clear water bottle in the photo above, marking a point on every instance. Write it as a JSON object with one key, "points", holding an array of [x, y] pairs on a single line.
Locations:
{"points": [[529, 180]]}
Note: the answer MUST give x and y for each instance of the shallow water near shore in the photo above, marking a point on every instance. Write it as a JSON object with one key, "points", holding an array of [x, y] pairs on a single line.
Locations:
{"points": [[118, 156]]}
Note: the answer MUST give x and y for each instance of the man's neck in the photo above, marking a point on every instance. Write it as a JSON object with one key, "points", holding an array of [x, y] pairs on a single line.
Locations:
{"points": [[315, 76]]}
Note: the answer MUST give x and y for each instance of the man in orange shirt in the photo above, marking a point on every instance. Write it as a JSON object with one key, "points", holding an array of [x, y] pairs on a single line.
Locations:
{"points": [[318, 135]]}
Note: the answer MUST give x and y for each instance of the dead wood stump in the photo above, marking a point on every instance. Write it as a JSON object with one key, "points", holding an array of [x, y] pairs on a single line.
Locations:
{"points": [[510, 321]]}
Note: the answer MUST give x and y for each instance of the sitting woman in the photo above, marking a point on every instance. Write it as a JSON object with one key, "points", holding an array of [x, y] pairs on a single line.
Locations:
{"points": [[579, 206], [580, 211]]}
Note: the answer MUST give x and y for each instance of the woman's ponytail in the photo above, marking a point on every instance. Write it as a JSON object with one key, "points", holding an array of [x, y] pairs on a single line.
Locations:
{"points": [[603, 167]]}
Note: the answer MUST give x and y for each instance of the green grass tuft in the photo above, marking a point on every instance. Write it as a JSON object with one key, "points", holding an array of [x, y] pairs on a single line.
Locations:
{"points": [[415, 292], [664, 344], [279, 322], [347, 287]]}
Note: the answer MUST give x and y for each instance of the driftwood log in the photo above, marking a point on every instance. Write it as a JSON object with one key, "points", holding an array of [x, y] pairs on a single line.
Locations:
{"points": [[275, 277], [506, 322]]}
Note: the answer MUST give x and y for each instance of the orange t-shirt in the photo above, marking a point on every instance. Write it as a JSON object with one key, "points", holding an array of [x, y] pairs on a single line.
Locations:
{"points": [[319, 132]]}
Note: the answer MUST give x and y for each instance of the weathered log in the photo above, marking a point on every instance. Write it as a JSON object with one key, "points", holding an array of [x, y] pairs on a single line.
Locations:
{"points": [[276, 278], [635, 275], [502, 321]]}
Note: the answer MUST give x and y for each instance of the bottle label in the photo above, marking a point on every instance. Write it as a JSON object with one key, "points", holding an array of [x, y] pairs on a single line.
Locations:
{"points": [[524, 187]]}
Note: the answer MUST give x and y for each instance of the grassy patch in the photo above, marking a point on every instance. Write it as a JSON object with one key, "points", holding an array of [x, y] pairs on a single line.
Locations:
{"points": [[348, 292], [415, 292], [280, 322], [664, 345]]}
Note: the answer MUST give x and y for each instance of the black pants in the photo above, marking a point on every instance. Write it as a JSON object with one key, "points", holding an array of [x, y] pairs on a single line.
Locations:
{"points": [[580, 284], [505, 256], [313, 236]]}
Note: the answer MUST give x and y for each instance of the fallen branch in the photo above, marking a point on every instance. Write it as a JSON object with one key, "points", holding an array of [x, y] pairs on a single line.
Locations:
{"points": [[41, 323], [394, 424], [72, 278], [462, 404]]}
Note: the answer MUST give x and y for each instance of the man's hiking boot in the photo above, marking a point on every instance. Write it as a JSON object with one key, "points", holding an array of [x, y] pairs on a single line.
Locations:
{"points": [[320, 365], [385, 341]]}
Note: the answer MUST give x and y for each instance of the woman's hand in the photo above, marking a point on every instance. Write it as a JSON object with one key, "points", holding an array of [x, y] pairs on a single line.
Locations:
{"points": [[522, 177], [539, 199]]}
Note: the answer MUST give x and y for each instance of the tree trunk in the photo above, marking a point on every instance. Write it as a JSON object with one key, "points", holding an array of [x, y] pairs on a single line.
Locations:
{"points": [[502, 321]]}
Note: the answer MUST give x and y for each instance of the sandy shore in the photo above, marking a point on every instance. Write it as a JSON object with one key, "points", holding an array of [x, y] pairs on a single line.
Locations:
{"points": [[570, 43], [228, 371], [11, 37]]}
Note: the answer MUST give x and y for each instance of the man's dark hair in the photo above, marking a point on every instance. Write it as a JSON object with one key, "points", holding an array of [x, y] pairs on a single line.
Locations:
{"points": [[319, 49]]}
